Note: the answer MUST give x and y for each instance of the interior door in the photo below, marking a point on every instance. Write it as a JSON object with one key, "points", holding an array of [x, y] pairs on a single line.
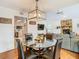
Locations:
{"points": [[6, 37]]}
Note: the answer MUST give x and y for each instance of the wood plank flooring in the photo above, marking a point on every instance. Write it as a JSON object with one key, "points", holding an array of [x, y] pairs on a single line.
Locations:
{"points": [[9, 54], [13, 55], [65, 54]]}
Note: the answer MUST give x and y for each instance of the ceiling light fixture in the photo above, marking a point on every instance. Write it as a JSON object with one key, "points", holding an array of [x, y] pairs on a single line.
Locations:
{"points": [[36, 14]]}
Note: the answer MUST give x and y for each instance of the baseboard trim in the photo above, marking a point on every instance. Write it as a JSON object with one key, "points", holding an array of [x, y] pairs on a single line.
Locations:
{"points": [[9, 50], [71, 51]]}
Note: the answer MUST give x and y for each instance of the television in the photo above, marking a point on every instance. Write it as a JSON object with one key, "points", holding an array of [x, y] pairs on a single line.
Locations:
{"points": [[40, 26]]}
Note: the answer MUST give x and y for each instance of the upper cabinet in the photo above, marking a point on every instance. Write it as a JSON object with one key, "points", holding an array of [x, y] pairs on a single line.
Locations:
{"points": [[66, 26]]}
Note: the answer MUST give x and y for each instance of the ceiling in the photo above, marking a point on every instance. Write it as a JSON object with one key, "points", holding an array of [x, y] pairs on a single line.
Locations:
{"points": [[46, 5]]}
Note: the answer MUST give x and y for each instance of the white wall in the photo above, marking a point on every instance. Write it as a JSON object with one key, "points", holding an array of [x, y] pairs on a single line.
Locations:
{"points": [[50, 25], [53, 20], [72, 12], [7, 30], [6, 37], [33, 29]]}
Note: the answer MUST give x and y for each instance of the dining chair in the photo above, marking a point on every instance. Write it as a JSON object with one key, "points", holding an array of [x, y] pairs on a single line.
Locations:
{"points": [[20, 50], [57, 49], [49, 36], [21, 54]]}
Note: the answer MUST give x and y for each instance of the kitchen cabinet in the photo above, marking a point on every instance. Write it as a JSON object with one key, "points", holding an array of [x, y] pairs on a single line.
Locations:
{"points": [[70, 43]]}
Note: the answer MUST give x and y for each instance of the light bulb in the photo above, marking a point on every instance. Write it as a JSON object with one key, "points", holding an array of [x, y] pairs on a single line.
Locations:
{"points": [[39, 15]]}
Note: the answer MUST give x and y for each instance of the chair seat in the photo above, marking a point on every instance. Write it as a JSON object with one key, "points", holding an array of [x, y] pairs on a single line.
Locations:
{"points": [[31, 57], [37, 57]]}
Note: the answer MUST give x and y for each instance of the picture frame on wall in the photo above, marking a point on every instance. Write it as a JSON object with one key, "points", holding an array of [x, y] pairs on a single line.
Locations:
{"points": [[40, 26], [32, 22], [5, 20]]}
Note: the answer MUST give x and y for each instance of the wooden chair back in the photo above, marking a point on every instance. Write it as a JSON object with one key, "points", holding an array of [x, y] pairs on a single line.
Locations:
{"points": [[57, 49], [20, 50]]}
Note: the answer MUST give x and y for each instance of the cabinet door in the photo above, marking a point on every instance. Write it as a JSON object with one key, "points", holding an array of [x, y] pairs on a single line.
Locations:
{"points": [[70, 43], [66, 42], [74, 45]]}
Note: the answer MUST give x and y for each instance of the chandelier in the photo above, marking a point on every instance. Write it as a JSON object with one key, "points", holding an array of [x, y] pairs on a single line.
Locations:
{"points": [[36, 13]]}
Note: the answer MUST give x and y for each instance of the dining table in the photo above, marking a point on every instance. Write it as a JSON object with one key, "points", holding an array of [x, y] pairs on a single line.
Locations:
{"points": [[40, 46], [37, 45]]}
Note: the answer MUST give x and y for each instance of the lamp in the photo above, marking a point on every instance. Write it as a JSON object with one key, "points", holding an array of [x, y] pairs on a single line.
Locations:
{"points": [[36, 14]]}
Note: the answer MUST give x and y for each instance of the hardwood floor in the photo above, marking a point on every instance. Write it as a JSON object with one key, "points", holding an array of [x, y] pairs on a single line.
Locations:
{"points": [[9, 55], [64, 55]]}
